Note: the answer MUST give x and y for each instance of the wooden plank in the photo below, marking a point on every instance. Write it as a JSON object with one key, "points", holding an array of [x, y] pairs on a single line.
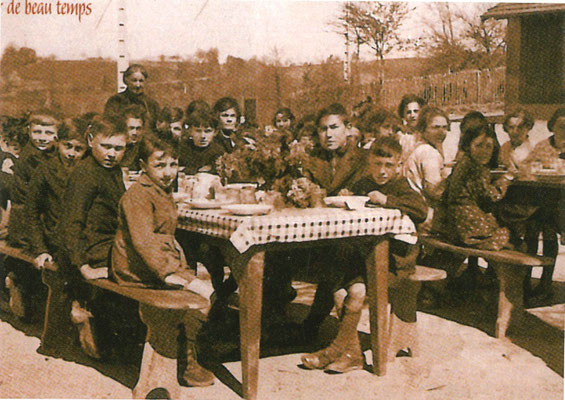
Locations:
{"points": [[173, 299], [15, 252], [515, 258]]}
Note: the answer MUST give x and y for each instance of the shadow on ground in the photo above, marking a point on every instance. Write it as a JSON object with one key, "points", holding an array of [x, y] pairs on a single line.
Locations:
{"points": [[124, 370], [537, 332]]}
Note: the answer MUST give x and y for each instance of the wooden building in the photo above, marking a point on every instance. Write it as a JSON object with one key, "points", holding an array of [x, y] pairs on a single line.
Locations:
{"points": [[535, 67]]}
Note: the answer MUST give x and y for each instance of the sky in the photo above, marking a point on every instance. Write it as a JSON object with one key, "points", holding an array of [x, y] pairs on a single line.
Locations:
{"points": [[298, 29]]}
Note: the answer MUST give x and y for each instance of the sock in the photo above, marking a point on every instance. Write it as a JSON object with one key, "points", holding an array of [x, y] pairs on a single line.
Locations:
{"points": [[347, 337]]}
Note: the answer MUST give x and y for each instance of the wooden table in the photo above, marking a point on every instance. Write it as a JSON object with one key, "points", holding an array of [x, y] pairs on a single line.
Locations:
{"points": [[244, 240]]}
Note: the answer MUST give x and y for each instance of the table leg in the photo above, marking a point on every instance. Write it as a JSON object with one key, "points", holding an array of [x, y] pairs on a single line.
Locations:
{"points": [[249, 275], [377, 289]]}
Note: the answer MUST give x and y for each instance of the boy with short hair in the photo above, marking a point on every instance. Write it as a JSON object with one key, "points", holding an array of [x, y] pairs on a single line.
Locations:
{"points": [[42, 128], [145, 252], [87, 231], [44, 205], [386, 189], [134, 121], [199, 151], [43, 208], [91, 200]]}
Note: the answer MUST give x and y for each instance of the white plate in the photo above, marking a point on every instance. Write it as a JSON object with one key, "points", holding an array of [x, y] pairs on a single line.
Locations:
{"points": [[248, 209], [205, 204], [181, 197], [339, 201], [549, 172]]}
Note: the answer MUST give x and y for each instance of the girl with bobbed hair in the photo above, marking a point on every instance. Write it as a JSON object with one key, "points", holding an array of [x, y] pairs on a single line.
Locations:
{"points": [[471, 194], [135, 78], [283, 119]]}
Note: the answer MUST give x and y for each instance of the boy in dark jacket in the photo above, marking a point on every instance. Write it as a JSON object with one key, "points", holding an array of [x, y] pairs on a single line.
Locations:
{"points": [[44, 204], [43, 208], [87, 230], [43, 127], [385, 189], [198, 152], [134, 120]]}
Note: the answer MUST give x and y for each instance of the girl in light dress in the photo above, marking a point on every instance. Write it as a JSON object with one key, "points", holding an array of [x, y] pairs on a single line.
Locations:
{"points": [[424, 167]]}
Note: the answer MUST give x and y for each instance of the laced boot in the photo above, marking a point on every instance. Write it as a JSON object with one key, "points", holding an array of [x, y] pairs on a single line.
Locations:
{"points": [[351, 357], [321, 358], [195, 375]]}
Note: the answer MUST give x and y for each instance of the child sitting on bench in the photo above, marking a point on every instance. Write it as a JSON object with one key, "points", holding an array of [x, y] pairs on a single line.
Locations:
{"points": [[386, 189], [145, 252]]}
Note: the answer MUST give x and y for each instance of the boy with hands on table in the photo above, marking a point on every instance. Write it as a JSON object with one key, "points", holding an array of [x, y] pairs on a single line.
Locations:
{"points": [[384, 188]]}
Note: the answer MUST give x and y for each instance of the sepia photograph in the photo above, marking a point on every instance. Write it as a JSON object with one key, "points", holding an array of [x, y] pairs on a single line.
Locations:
{"points": [[282, 200]]}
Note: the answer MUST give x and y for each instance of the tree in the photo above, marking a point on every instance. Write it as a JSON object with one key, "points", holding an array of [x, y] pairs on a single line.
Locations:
{"points": [[381, 23], [349, 25], [13, 59], [457, 38], [374, 24]]}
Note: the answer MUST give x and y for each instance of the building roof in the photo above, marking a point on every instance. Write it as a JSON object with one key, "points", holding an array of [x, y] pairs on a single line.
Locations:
{"points": [[505, 10]]}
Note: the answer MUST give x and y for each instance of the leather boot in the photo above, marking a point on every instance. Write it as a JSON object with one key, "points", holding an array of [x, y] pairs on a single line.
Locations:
{"points": [[322, 358], [194, 374], [350, 360]]}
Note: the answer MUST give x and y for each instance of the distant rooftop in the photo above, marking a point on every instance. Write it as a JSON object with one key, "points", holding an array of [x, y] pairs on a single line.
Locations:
{"points": [[505, 10]]}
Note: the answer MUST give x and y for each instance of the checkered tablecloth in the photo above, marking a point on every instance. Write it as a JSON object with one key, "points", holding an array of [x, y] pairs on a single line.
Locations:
{"points": [[295, 225]]}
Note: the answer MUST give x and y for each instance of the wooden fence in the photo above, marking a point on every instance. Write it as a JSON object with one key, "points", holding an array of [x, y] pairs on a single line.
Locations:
{"points": [[450, 89]]}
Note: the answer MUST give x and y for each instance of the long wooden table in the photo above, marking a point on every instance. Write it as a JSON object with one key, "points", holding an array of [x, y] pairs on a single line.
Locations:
{"points": [[244, 240]]}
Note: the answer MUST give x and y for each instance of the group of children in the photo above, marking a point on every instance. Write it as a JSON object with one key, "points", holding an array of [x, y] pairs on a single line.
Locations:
{"points": [[69, 205]]}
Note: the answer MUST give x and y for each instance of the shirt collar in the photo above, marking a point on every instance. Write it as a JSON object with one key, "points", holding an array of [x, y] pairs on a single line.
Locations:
{"points": [[146, 181]]}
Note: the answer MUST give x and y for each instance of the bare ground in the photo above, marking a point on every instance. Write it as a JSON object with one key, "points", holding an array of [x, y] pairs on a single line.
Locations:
{"points": [[459, 360]]}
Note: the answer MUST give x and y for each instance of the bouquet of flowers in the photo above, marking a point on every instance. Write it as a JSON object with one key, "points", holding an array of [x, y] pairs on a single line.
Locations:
{"points": [[263, 162], [300, 192]]}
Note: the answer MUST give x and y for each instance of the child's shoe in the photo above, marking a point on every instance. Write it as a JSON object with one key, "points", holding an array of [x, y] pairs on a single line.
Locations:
{"points": [[81, 318], [348, 361], [196, 375], [322, 358], [17, 305]]}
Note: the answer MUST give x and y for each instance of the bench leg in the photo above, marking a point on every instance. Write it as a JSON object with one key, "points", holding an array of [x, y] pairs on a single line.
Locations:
{"points": [[510, 296], [57, 326], [403, 335], [158, 371]]}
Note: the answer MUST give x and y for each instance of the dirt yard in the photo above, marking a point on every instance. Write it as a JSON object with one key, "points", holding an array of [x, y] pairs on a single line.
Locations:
{"points": [[459, 360]]}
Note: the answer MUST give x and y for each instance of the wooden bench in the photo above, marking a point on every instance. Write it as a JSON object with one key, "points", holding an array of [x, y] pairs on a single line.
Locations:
{"points": [[404, 335], [161, 310], [510, 267]]}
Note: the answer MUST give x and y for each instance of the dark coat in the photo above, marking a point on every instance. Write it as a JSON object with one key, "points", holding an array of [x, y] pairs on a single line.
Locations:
{"points": [[349, 167], [44, 205], [90, 219], [131, 157], [399, 194], [29, 160], [194, 158]]}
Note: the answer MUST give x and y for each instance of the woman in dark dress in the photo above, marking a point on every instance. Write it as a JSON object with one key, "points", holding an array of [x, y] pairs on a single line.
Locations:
{"points": [[135, 78]]}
